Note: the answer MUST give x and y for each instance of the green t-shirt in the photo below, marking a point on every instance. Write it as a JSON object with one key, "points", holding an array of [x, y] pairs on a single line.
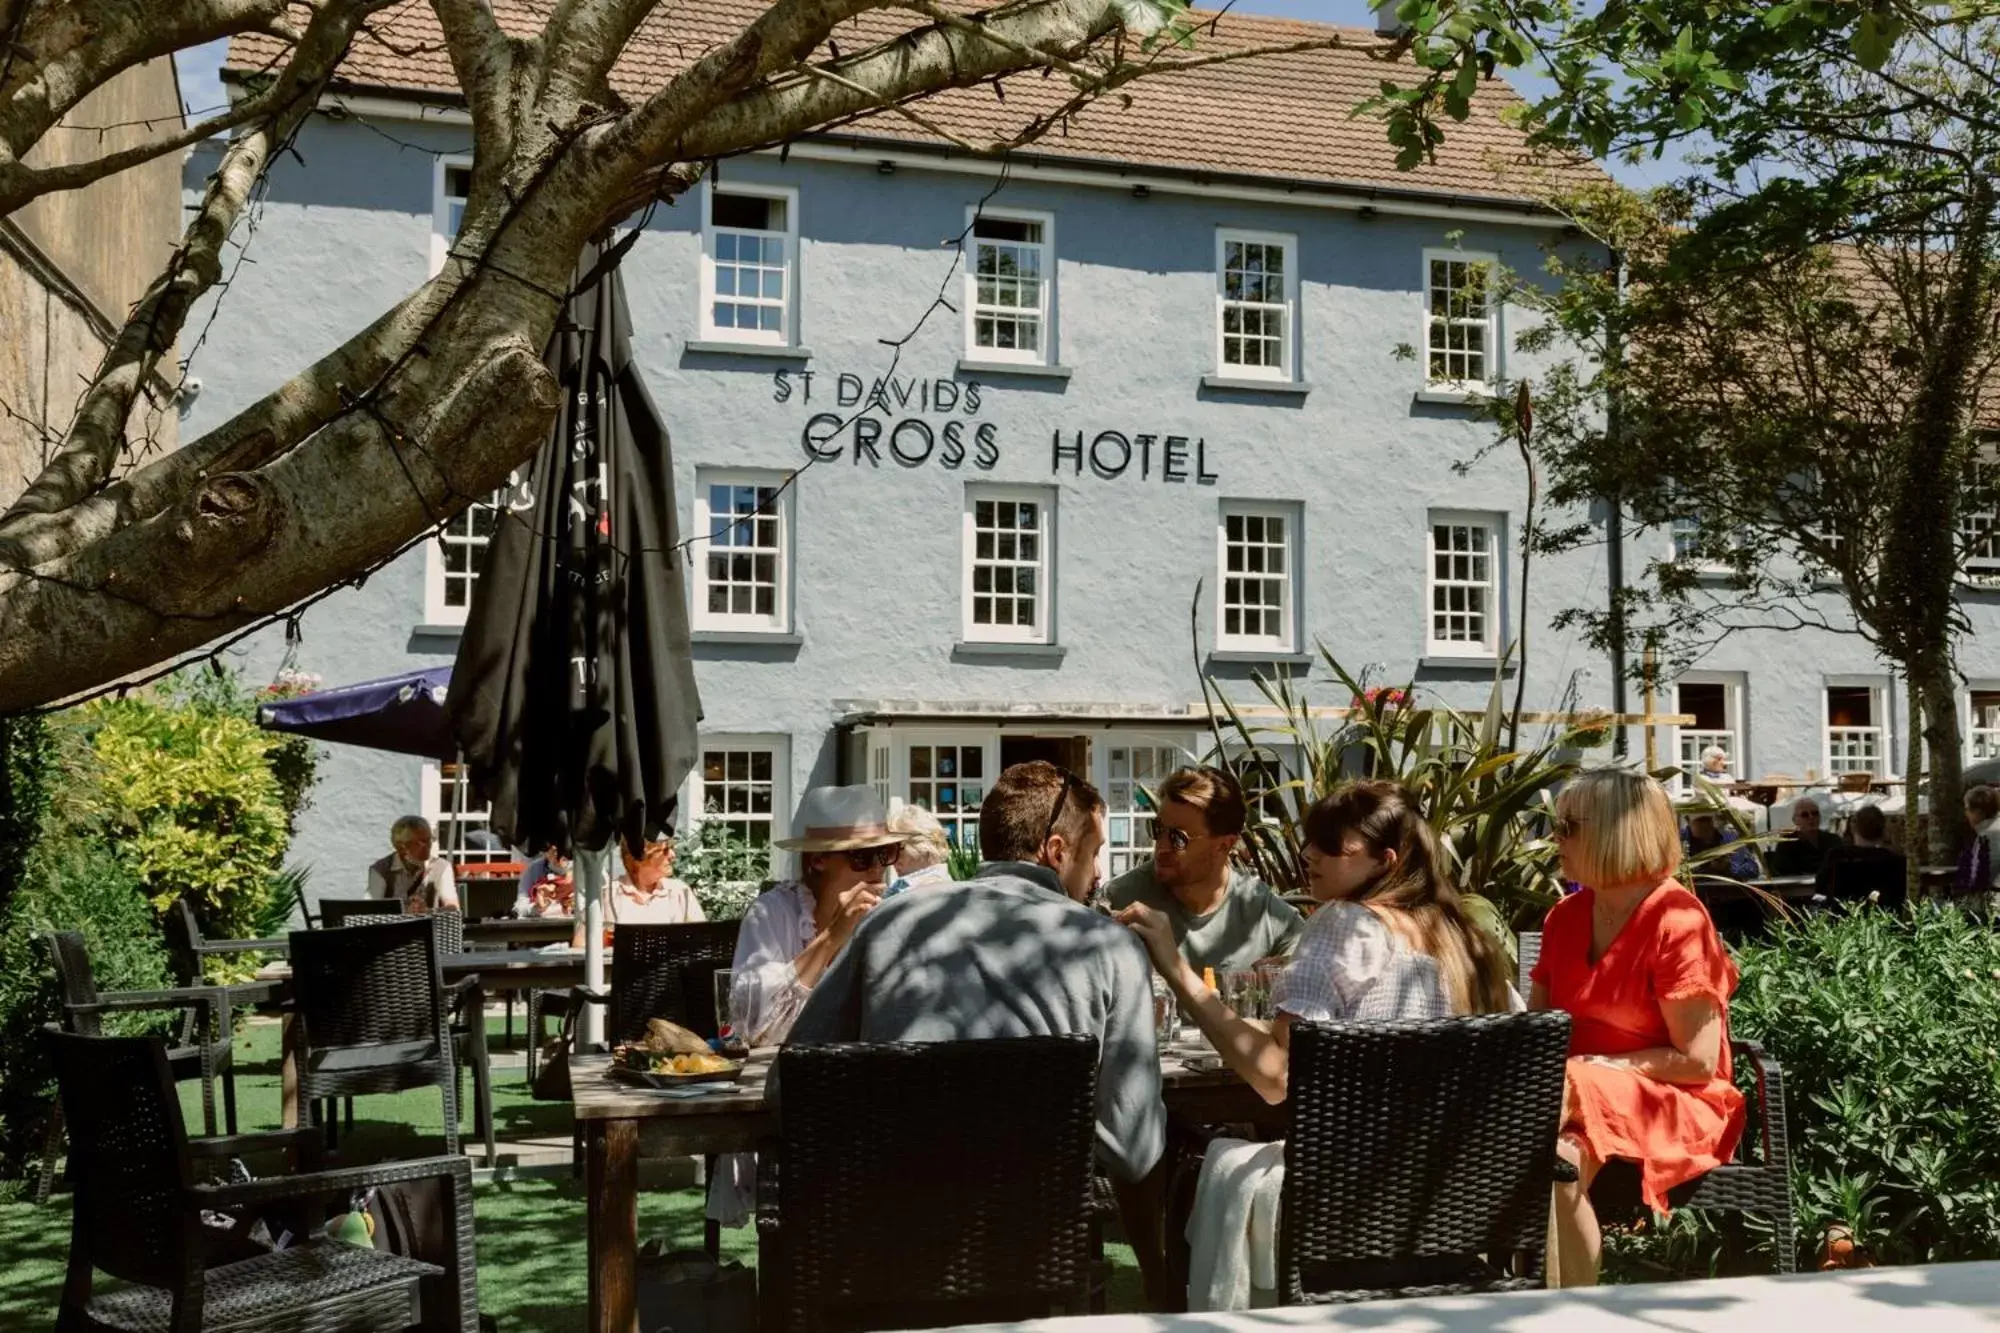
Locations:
{"points": [[1253, 923]]}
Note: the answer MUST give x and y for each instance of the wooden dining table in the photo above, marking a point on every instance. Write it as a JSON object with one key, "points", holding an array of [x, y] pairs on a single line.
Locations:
{"points": [[623, 1124]]}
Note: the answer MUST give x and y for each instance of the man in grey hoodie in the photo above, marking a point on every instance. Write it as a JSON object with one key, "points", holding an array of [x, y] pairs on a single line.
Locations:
{"points": [[1013, 952]]}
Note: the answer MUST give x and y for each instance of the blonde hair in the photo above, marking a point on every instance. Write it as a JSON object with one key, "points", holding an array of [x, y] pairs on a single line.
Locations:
{"points": [[921, 834], [1624, 828]]}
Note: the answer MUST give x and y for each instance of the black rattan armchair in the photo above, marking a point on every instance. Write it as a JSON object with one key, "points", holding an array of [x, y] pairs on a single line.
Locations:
{"points": [[139, 1217], [199, 1048], [1420, 1156], [188, 954], [1745, 1184], [663, 971], [373, 1017], [921, 1185], [335, 913]]}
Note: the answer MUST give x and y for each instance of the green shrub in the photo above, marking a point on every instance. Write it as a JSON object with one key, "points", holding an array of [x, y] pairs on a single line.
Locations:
{"points": [[186, 796], [68, 883], [27, 770], [725, 870]]}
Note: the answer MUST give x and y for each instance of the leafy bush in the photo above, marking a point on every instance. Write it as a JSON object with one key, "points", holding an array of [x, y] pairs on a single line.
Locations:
{"points": [[68, 883], [725, 870], [187, 797]]}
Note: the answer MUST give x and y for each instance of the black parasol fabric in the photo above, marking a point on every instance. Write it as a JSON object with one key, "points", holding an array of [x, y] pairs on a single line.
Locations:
{"points": [[573, 695]]}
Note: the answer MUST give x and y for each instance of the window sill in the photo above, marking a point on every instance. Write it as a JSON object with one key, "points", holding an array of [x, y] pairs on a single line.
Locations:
{"points": [[1041, 651], [1234, 384], [1455, 397], [1260, 657], [718, 347], [1483, 666], [438, 631], [727, 636], [1027, 369]]}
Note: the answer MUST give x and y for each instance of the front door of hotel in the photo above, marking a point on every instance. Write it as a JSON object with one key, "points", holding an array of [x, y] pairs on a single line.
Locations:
{"points": [[1070, 752]]}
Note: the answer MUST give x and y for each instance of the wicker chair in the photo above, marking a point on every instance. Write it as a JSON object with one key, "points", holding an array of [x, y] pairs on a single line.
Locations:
{"points": [[1420, 1156], [138, 1217], [1743, 1185], [335, 913], [373, 1017], [657, 971], [200, 1047], [987, 1143]]}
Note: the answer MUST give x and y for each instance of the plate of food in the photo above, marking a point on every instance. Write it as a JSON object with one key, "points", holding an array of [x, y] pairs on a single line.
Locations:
{"points": [[669, 1057]]}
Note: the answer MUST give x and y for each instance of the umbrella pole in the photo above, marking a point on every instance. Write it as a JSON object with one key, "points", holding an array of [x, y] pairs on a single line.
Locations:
{"points": [[590, 868]]}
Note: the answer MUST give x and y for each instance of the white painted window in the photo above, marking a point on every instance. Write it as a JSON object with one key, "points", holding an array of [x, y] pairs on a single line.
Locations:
{"points": [[749, 248], [1133, 772], [452, 561], [458, 835], [1257, 576], [742, 550], [451, 184], [1256, 297], [742, 781], [1461, 322], [1009, 561], [1979, 526], [1010, 287], [948, 777], [1699, 548], [1715, 701], [1462, 585], [878, 767], [1982, 721], [1857, 727]]}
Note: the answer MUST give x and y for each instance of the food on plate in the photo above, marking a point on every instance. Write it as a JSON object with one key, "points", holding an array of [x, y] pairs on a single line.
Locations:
{"points": [[664, 1038], [691, 1064]]}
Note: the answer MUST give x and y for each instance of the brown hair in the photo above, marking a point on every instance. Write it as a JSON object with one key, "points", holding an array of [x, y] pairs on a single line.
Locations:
{"points": [[1213, 792], [1982, 801], [1624, 827], [1868, 822], [1014, 817], [1414, 897]]}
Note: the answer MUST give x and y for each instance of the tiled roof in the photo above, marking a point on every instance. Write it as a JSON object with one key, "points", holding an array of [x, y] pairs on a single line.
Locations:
{"points": [[1287, 117]]}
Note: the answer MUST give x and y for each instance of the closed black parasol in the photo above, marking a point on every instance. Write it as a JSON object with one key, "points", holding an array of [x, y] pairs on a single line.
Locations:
{"points": [[573, 696]]}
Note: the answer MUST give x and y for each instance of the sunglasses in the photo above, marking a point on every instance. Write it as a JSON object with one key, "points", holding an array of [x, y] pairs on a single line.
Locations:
{"points": [[1055, 811], [1177, 839], [867, 858]]}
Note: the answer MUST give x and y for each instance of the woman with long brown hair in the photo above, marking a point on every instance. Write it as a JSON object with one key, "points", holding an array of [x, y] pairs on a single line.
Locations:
{"points": [[1391, 940]]}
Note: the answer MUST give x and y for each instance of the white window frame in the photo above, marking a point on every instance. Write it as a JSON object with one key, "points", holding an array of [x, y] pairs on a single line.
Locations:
{"points": [[895, 780], [1699, 564], [1980, 571], [1286, 371], [1124, 848], [1495, 524], [785, 337], [1460, 391], [704, 526], [1878, 707], [518, 496], [1287, 639], [431, 803], [1969, 721], [442, 234], [1043, 630], [694, 796], [1044, 354], [1735, 690]]}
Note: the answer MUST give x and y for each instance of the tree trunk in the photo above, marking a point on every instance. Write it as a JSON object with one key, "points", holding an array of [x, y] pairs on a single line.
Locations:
{"points": [[1916, 836], [1947, 750]]}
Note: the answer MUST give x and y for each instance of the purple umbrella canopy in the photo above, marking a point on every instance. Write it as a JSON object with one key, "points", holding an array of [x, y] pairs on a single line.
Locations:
{"points": [[404, 714]]}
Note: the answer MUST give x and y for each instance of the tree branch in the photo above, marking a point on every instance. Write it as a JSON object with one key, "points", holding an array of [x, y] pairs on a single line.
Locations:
{"points": [[483, 59]]}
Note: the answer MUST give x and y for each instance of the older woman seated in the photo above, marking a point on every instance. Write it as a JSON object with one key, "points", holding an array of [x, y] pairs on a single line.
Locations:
{"points": [[1635, 961], [924, 859]]}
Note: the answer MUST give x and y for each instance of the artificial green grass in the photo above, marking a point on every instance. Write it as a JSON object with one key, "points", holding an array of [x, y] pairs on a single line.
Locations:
{"points": [[532, 1274]]}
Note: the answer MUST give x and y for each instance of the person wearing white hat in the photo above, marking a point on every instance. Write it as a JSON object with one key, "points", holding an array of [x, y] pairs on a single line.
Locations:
{"points": [[793, 930]]}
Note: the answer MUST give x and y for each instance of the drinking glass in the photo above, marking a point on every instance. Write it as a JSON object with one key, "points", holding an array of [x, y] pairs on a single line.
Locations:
{"points": [[725, 1016], [1247, 994], [1166, 1014]]}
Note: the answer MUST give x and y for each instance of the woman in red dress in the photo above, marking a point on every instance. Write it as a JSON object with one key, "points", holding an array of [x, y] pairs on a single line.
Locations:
{"points": [[1634, 960]]}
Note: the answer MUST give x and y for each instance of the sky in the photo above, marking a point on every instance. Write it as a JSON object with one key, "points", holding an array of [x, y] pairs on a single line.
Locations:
{"points": [[201, 85]]}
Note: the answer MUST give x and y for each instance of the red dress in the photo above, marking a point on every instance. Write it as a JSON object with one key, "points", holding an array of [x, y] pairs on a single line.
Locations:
{"points": [[1668, 950]]}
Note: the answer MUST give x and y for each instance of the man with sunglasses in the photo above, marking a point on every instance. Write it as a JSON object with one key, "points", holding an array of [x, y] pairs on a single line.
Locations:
{"points": [[1013, 952], [1223, 917]]}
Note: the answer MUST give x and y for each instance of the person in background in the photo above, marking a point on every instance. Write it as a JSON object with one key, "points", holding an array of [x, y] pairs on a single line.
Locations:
{"points": [[1635, 961], [547, 886], [1221, 914], [1802, 851], [924, 860], [647, 890], [1705, 832], [1715, 766], [1867, 869], [1392, 941], [1974, 880], [410, 873]]}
